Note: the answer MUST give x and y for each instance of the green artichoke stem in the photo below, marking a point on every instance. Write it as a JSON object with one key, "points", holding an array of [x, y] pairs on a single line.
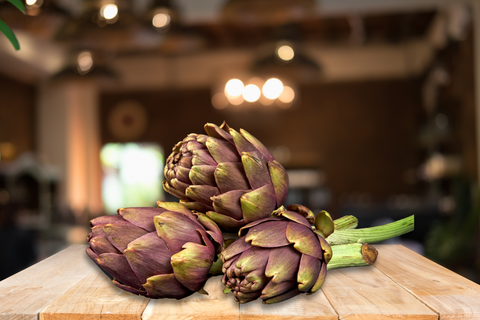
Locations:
{"points": [[373, 234], [352, 255], [345, 222]]}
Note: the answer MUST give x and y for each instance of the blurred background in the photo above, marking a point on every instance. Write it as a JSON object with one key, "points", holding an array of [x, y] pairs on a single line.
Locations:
{"points": [[372, 106]]}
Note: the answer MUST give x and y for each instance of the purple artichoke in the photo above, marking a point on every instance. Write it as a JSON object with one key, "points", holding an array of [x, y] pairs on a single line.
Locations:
{"points": [[229, 175], [161, 252], [278, 257]]}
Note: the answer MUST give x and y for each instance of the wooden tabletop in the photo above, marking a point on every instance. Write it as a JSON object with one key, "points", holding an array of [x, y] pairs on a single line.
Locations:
{"points": [[401, 285]]}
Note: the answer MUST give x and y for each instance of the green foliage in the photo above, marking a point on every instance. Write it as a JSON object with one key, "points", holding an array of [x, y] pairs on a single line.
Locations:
{"points": [[9, 34], [18, 4], [6, 29]]}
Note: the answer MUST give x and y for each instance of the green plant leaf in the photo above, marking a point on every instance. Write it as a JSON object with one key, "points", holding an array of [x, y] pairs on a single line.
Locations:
{"points": [[9, 34], [18, 4]]}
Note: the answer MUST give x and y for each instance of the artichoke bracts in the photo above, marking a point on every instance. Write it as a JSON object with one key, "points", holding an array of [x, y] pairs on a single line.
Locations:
{"points": [[277, 257], [229, 175], [162, 252]]}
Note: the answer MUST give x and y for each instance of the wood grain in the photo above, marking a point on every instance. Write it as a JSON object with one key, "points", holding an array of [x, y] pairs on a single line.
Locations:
{"points": [[95, 297], [301, 307], [25, 294], [215, 305], [401, 285], [366, 293], [447, 293]]}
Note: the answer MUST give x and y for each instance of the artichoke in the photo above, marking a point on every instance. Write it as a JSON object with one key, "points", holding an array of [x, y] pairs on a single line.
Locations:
{"points": [[163, 252], [229, 175], [278, 257]]}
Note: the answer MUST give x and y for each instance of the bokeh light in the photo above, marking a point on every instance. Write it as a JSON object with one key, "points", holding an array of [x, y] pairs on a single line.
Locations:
{"points": [[234, 87], [285, 53], [272, 88], [84, 62], [161, 20], [236, 101], [219, 101], [287, 95], [109, 11], [251, 93]]}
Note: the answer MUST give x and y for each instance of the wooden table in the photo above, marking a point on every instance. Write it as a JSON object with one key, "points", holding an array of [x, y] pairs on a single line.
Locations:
{"points": [[401, 285]]}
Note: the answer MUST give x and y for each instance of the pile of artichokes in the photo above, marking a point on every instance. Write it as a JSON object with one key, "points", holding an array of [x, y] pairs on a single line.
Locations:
{"points": [[228, 181]]}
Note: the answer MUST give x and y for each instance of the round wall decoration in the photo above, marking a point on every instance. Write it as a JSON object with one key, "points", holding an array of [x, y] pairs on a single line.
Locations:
{"points": [[128, 120]]}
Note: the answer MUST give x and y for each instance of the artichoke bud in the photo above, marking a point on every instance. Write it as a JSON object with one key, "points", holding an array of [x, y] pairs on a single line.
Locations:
{"points": [[163, 252], [229, 175], [276, 258]]}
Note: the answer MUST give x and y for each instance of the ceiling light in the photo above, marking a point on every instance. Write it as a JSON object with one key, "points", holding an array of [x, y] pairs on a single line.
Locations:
{"points": [[236, 101], [251, 93], [84, 62], [109, 11], [287, 95], [161, 20], [285, 53], [272, 88], [234, 87]]}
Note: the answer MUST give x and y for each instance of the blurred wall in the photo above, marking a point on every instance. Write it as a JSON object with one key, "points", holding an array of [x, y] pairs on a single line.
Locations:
{"points": [[17, 122], [457, 101]]}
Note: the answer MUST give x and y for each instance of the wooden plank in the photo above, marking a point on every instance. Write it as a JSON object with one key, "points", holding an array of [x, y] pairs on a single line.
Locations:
{"points": [[301, 307], [215, 305], [96, 297], [366, 293], [25, 294], [449, 294]]}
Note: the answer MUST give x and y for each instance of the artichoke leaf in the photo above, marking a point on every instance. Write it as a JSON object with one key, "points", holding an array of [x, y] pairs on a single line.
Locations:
{"points": [[321, 278], [191, 265], [282, 297], [122, 232], [119, 268], [298, 218], [215, 131], [222, 151], [230, 176], [176, 229], [283, 264], [202, 193], [165, 286], [270, 234], [257, 144], [141, 217], [324, 223], [203, 175], [273, 289], [227, 223], [258, 204], [308, 272], [257, 171], [279, 179], [304, 240], [148, 256], [304, 211], [235, 248], [229, 203]]}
